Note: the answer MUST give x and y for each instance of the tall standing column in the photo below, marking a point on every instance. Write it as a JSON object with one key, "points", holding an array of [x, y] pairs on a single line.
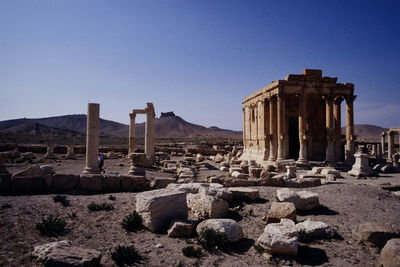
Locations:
{"points": [[281, 127], [92, 138], [149, 140], [338, 127], [244, 127], [272, 130], [390, 144], [349, 128], [302, 130], [266, 129], [261, 128], [383, 135], [132, 126], [329, 130]]}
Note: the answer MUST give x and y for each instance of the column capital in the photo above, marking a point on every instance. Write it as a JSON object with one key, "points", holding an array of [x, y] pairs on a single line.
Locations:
{"points": [[350, 98], [272, 98], [328, 98], [383, 134], [132, 116], [281, 96], [338, 100]]}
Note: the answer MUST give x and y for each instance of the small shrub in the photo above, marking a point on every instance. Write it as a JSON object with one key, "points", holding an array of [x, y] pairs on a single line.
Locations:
{"points": [[125, 255], [211, 239], [192, 252], [51, 226], [100, 206], [259, 249], [62, 199], [72, 215], [132, 222], [111, 197]]}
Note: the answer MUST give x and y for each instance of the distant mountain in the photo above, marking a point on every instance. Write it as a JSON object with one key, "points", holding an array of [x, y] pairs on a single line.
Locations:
{"points": [[167, 126], [366, 132]]}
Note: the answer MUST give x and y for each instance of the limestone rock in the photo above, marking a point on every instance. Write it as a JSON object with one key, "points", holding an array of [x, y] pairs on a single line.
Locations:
{"points": [[62, 253], [316, 229], [218, 158], [376, 233], [238, 182], [244, 193], [255, 172], [281, 210], [390, 254], [280, 238], [203, 206], [49, 169], [232, 230], [303, 182], [180, 228], [221, 193], [303, 200], [159, 207], [187, 188]]}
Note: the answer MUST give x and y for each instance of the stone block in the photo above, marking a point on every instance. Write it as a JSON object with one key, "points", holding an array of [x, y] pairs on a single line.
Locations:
{"points": [[238, 182], [159, 207], [65, 182], [62, 253], [139, 183], [280, 238], [180, 228], [203, 206], [111, 183], [303, 200], [375, 233], [390, 254], [91, 182], [162, 182], [229, 227], [281, 210], [27, 185], [244, 193], [254, 172], [316, 229]]}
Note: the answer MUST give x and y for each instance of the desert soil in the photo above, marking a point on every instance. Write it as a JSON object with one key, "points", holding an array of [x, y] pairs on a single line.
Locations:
{"points": [[344, 204]]}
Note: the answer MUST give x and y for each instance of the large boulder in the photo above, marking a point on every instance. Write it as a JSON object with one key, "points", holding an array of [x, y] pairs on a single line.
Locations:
{"points": [[229, 227], [62, 253], [280, 238], [159, 207], [375, 233], [303, 200], [281, 210], [180, 228], [204, 206], [390, 254], [315, 229]]}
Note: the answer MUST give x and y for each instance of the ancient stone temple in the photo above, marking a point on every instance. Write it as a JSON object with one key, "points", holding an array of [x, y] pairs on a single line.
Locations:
{"points": [[390, 144], [299, 118]]}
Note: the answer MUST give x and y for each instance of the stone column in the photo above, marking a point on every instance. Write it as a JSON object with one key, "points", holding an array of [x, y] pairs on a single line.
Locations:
{"points": [[132, 126], [149, 139], [272, 130], [378, 150], [302, 130], [266, 129], [248, 125], [329, 130], [92, 138], [261, 128], [70, 152], [349, 151], [244, 127], [338, 127], [390, 144], [50, 151], [383, 135], [281, 127]]}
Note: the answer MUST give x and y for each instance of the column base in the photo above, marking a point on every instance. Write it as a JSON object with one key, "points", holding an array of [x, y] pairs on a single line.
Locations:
{"points": [[302, 161], [89, 170]]}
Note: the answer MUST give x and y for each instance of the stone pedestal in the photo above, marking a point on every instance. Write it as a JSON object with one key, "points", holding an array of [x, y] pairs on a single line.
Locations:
{"points": [[70, 152], [92, 139], [361, 167], [50, 152]]}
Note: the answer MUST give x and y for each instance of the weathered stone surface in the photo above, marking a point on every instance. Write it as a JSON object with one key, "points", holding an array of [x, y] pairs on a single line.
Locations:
{"points": [[180, 228], [281, 210], [203, 206], [62, 253], [139, 183], [187, 188], [303, 182], [162, 182], [303, 200], [28, 155], [360, 167], [235, 169], [223, 168], [159, 207], [91, 182], [375, 233], [244, 193], [280, 238], [65, 182], [390, 254], [31, 171], [229, 227], [333, 171], [221, 193], [49, 169], [111, 183], [218, 158], [316, 229], [238, 175]]}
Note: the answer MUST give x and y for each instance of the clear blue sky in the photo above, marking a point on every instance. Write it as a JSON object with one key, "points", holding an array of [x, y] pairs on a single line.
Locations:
{"points": [[199, 59]]}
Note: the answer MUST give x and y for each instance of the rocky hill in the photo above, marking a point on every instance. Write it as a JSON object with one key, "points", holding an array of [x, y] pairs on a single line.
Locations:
{"points": [[167, 126], [366, 132]]}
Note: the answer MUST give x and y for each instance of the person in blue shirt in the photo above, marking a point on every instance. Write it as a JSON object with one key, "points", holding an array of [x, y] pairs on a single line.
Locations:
{"points": [[101, 162]]}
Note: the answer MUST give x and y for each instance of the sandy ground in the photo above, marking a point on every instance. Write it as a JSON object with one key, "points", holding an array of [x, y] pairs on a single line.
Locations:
{"points": [[343, 205]]}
